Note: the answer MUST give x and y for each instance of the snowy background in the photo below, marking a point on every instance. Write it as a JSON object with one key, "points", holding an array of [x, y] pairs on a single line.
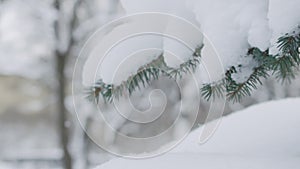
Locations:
{"points": [[36, 36], [262, 136]]}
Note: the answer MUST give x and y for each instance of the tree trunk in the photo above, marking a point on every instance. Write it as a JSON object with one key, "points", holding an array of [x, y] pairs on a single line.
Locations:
{"points": [[62, 113]]}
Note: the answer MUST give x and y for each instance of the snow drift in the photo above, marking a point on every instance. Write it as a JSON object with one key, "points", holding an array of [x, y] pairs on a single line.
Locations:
{"points": [[260, 137]]}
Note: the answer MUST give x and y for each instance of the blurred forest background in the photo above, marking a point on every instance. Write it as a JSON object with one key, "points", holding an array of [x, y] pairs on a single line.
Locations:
{"points": [[39, 43]]}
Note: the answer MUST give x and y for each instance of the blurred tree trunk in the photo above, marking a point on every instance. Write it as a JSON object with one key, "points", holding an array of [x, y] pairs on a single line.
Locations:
{"points": [[62, 55], [64, 27], [62, 113]]}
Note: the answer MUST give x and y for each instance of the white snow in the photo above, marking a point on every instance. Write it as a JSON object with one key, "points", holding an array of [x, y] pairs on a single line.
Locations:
{"points": [[231, 26], [120, 53], [124, 58], [175, 52], [180, 48], [122, 50], [173, 7], [176, 44], [243, 72], [260, 137]]}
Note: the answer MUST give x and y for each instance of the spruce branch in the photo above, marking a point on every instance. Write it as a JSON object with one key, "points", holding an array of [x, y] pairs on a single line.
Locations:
{"points": [[284, 69], [215, 90], [187, 67], [288, 59], [237, 91], [289, 47], [143, 77], [283, 66]]}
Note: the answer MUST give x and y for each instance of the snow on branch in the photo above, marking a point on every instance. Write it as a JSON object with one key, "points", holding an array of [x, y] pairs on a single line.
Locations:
{"points": [[253, 26], [144, 76], [282, 65]]}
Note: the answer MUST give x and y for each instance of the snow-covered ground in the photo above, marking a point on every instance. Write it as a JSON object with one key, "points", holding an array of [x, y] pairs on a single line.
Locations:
{"points": [[260, 137]]}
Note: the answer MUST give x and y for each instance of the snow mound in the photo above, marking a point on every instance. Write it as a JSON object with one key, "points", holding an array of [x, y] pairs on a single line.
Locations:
{"points": [[262, 136]]}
